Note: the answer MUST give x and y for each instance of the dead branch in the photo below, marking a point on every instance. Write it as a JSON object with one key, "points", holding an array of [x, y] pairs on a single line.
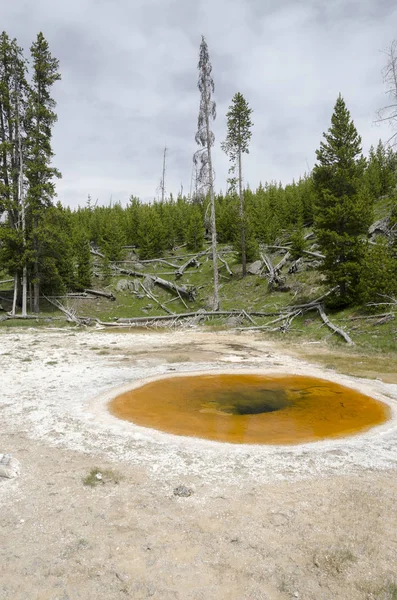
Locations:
{"points": [[199, 313], [315, 254], [312, 303], [155, 260], [190, 294], [385, 319], [247, 316], [193, 261], [97, 253], [182, 300], [333, 327], [152, 297], [308, 252], [6, 281], [10, 316], [273, 277], [228, 269], [70, 314], [367, 317], [286, 318], [101, 294], [295, 266], [282, 262]]}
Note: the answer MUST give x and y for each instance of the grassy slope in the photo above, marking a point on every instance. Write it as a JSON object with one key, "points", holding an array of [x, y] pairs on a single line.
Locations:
{"points": [[251, 294]]}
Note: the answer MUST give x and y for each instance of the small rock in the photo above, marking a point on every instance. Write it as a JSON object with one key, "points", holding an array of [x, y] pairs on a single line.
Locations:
{"points": [[255, 267], [234, 321], [182, 491], [123, 285], [9, 467], [148, 283]]}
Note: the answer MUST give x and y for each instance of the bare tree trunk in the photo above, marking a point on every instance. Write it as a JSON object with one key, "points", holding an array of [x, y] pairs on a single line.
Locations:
{"points": [[14, 298], [36, 270], [21, 201], [216, 305], [242, 223], [163, 177]]}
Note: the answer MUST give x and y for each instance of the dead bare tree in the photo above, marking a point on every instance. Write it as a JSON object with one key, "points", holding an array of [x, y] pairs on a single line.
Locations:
{"points": [[205, 139], [389, 112], [162, 182]]}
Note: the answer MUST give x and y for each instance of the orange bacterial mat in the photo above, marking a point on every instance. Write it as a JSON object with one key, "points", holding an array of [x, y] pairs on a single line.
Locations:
{"points": [[250, 409]]}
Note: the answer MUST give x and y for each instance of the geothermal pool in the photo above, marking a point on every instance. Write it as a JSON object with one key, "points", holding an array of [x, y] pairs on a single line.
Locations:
{"points": [[250, 409]]}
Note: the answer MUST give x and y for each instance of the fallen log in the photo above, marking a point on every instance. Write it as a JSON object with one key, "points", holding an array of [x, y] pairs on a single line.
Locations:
{"points": [[333, 327], [312, 303], [6, 281], [268, 263], [191, 261], [282, 262], [101, 294], [187, 315], [366, 317], [155, 260], [228, 269], [385, 319], [10, 316], [273, 277], [308, 252], [247, 316], [70, 314], [153, 297], [287, 318], [190, 294], [295, 266]]}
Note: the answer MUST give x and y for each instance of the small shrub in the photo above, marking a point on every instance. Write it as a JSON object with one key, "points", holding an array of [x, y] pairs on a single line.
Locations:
{"points": [[101, 476]]}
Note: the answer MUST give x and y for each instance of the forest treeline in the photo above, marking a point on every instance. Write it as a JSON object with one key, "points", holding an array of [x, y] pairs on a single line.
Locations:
{"points": [[47, 248], [154, 230]]}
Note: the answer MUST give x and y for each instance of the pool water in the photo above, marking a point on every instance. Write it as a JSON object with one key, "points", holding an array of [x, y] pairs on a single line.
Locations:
{"points": [[250, 409]]}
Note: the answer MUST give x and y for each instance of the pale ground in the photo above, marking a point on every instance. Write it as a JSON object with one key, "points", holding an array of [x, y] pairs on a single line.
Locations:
{"points": [[314, 522]]}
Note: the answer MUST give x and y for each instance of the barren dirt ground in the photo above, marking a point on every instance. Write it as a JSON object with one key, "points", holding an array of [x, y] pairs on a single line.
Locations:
{"points": [[314, 522]]}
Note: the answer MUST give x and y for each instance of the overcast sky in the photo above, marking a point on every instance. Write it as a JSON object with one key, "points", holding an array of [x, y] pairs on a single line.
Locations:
{"points": [[129, 83]]}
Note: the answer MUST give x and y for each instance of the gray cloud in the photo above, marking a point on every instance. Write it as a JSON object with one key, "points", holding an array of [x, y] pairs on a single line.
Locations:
{"points": [[129, 83]]}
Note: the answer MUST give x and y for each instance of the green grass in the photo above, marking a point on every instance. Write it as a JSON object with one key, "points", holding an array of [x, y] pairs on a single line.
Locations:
{"points": [[251, 294], [99, 476]]}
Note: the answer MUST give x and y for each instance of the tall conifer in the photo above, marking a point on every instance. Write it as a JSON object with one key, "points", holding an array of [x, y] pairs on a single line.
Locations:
{"points": [[239, 126], [343, 210], [41, 118]]}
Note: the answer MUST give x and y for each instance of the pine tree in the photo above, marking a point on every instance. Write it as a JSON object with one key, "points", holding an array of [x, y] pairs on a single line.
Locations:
{"points": [[381, 175], [40, 120], [112, 235], [82, 251], [13, 91], [195, 230], [378, 274], [343, 210], [56, 252], [150, 234], [205, 138], [239, 134]]}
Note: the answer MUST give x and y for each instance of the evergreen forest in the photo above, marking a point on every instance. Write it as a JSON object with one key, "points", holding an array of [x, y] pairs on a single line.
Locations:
{"points": [[328, 240]]}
